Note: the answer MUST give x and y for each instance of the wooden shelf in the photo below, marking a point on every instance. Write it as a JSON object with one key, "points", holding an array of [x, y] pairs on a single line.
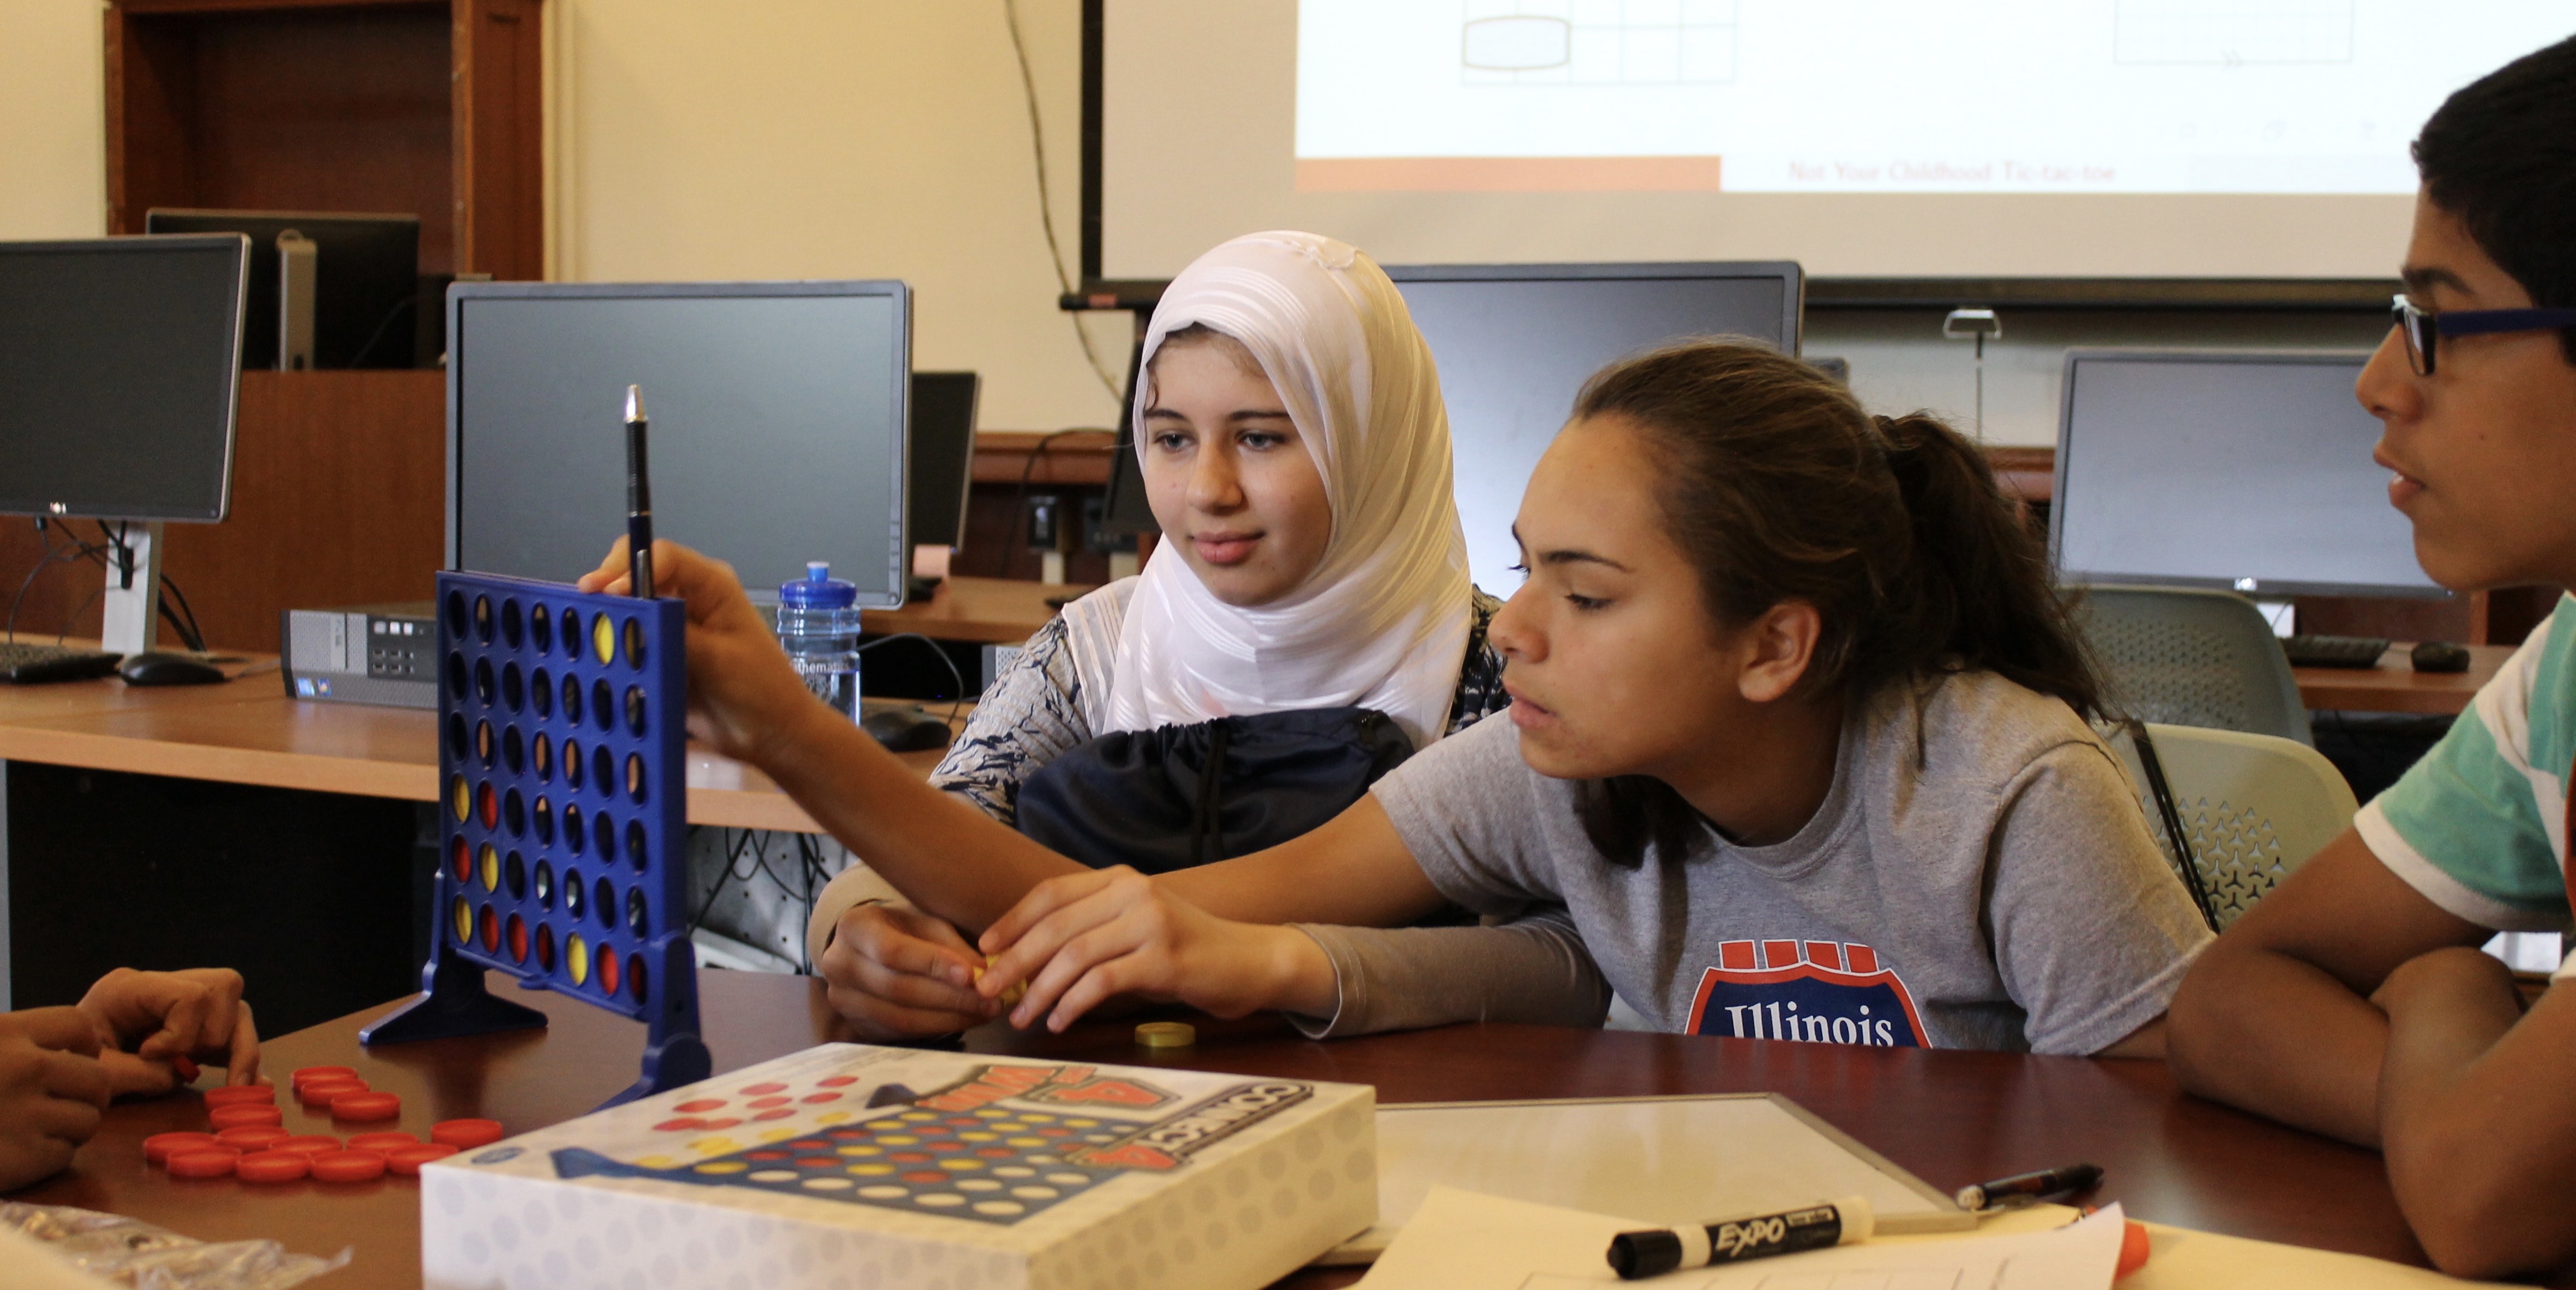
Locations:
{"points": [[426, 107]]}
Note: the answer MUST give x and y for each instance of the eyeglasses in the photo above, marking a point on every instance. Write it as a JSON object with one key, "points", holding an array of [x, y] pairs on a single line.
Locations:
{"points": [[2421, 328]]}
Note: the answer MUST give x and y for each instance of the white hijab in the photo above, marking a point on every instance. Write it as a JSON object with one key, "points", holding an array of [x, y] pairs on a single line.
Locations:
{"points": [[1383, 620]]}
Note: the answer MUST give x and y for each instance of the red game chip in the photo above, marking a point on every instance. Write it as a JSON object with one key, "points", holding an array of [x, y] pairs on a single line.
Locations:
{"points": [[365, 1108], [724, 1123], [808, 1144], [273, 1166], [701, 1104], [319, 1092], [822, 1097], [764, 1155], [204, 1162], [764, 1103], [158, 1148], [756, 1090], [408, 1160], [348, 1166], [230, 1117], [185, 1069], [926, 1176], [308, 1144], [252, 1137], [386, 1141], [684, 1124], [242, 1094], [778, 1113], [818, 1162], [836, 1081], [466, 1134], [322, 1072]]}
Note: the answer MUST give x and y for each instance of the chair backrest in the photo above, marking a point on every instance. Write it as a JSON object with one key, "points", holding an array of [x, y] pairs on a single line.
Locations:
{"points": [[2254, 807], [2192, 658]]}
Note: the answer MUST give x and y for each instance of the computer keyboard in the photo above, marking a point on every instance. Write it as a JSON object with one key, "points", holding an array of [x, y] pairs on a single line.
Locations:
{"points": [[2334, 651], [24, 664]]}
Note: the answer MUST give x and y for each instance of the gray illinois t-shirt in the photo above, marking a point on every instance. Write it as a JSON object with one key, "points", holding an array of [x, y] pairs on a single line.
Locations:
{"points": [[1980, 875]]}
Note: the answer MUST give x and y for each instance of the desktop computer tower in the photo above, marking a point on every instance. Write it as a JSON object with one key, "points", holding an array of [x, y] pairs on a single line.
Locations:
{"points": [[386, 655]]}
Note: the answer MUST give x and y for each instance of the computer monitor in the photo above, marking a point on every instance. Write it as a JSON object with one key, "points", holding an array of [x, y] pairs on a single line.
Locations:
{"points": [[779, 413], [2220, 468], [1516, 342], [366, 281], [943, 456], [120, 369]]}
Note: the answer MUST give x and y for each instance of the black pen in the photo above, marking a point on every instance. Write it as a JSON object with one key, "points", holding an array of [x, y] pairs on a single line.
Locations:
{"points": [[639, 499], [2024, 1188]]}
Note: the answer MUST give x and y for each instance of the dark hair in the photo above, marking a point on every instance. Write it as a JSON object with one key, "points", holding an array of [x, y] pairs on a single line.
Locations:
{"points": [[2501, 155], [1777, 486]]}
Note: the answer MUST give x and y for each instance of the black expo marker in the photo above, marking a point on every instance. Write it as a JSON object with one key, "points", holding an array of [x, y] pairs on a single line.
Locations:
{"points": [[639, 499], [2024, 1188], [1635, 1255]]}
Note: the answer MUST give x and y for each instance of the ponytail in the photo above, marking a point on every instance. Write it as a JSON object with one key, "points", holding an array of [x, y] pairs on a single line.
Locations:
{"points": [[1777, 486]]}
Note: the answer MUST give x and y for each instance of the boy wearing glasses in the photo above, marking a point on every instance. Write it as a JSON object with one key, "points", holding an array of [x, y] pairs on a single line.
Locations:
{"points": [[2354, 1000]]}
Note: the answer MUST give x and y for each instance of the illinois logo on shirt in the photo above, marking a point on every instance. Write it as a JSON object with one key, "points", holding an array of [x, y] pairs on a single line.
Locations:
{"points": [[1822, 992]]}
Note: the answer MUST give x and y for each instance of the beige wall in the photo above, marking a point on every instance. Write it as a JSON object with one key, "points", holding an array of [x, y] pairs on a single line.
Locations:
{"points": [[749, 139], [837, 138], [53, 160]]}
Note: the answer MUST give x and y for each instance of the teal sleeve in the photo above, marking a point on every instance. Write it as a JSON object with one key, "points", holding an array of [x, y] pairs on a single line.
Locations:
{"points": [[2466, 825]]}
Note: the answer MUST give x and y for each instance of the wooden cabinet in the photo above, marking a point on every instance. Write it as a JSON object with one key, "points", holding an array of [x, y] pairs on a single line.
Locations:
{"points": [[429, 107]]}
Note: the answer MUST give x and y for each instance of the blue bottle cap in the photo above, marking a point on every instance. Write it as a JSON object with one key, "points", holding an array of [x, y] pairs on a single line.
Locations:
{"points": [[818, 589]]}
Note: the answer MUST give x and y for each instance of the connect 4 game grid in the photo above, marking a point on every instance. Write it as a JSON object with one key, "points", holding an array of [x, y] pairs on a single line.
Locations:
{"points": [[562, 765]]}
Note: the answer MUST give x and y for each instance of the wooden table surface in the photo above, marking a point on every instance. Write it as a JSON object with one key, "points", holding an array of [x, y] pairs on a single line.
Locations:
{"points": [[989, 611], [1950, 1117], [2395, 685], [247, 731]]}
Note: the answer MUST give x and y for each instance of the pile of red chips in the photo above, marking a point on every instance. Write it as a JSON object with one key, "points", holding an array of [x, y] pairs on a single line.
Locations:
{"points": [[249, 1141]]}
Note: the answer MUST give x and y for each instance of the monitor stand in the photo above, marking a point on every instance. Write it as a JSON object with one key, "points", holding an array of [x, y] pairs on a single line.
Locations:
{"points": [[130, 615]]}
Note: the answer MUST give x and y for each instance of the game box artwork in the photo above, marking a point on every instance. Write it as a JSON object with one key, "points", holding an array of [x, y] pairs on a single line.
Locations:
{"points": [[856, 1166]]}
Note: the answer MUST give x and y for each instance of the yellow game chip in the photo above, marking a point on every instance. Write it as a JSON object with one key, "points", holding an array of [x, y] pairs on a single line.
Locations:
{"points": [[603, 637], [1011, 997]]}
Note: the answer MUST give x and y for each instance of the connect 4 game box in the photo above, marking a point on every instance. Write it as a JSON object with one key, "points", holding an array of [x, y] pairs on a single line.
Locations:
{"points": [[856, 1166]]}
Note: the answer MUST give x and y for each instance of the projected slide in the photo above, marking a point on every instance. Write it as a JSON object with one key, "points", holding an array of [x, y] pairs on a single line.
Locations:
{"points": [[2002, 96]]}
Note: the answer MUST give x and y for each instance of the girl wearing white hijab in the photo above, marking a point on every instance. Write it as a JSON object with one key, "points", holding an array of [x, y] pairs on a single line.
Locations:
{"points": [[1296, 454]]}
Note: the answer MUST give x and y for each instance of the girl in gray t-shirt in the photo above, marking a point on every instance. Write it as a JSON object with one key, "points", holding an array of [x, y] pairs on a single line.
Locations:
{"points": [[1796, 748]]}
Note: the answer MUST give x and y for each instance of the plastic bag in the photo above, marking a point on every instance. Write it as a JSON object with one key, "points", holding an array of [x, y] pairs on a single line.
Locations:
{"points": [[130, 1253]]}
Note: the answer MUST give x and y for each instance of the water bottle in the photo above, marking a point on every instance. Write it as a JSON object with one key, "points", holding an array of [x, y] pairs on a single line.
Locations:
{"points": [[818, 622]]}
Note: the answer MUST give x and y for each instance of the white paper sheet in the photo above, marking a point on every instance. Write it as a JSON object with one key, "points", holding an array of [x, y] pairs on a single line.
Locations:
{"points": [[1462, 1240], [1668, 1160]]}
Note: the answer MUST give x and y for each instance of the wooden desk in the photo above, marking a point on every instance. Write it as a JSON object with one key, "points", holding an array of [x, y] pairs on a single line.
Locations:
{"points": [[988, 611], [2395, 686], [1950, 1117], [247, 731]]}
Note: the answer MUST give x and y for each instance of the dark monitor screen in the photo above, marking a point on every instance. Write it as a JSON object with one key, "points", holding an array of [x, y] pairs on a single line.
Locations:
{"points": [[778, 412], [366, 281], [1516, 342], [943, 455], [119, 373], [2225, 469]]}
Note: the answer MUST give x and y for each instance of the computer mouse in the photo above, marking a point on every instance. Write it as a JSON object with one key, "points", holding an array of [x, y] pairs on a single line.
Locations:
{"points": [[906, 729], [168, 669], [2440, 656]]}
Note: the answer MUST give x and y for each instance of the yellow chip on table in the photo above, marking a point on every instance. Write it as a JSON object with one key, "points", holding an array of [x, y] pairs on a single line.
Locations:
{"points": [[1167, 1034]]}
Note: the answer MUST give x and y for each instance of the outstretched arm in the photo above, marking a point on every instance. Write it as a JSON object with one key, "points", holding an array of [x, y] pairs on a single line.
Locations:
{"points": [[2276, 1016], [746, 701], [1208, 936]]}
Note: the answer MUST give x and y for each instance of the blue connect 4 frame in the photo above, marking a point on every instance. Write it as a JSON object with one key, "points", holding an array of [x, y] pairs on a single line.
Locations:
{"points": [[563, 780]]}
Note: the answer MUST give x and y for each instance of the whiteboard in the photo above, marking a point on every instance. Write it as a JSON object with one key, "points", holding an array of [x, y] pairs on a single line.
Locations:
{"points": [[1669, 1160]]}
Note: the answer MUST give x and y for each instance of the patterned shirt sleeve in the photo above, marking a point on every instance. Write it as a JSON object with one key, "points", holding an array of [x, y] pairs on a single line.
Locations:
{"points": [[1480, 674], [1031, 715]]}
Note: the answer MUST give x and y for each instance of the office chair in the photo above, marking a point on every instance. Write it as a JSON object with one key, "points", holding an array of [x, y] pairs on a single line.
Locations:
{"points": [[2252, 808], [2192, 658]]}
